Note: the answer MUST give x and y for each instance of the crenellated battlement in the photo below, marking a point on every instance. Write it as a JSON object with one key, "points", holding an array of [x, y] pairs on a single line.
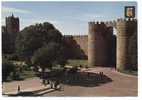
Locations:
{"points": [[103, 29], [110, 23], [126, 20], [96, 23], [126, 27], [100, 23]]}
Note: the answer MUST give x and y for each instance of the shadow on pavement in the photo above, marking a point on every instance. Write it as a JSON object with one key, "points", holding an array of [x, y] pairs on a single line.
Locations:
{"points": [[32, 93], [84, 79]]}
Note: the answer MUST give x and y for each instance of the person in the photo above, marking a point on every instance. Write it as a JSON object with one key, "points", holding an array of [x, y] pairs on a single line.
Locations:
{"points": [[101, 75], [19, 89]]}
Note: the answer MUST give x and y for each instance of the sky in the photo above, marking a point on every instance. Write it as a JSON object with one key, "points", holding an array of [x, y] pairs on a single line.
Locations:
{"points": [[70, 18]]}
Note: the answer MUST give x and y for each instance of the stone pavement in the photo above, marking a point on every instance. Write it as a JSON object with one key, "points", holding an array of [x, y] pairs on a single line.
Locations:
{"points": [[121, 85]]}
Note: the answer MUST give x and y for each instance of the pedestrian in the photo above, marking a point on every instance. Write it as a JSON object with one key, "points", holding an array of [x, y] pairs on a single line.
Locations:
{"points": [[19, 89]]}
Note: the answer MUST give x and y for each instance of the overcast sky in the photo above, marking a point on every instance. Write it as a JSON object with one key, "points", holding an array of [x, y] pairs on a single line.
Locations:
{"points": [[68, 17]]}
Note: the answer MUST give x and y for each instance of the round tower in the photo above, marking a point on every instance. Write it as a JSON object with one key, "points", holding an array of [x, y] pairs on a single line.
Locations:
{"points": [[97, 44], [91, 45], [125, 29]]}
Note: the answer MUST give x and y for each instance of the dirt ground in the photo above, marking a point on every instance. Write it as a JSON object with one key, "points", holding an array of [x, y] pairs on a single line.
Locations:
{"points": [[120, 85]]}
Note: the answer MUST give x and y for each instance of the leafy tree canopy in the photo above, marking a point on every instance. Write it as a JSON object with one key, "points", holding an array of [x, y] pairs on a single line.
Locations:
{"points": [[34, 37], [49, 55], [7, 69]]}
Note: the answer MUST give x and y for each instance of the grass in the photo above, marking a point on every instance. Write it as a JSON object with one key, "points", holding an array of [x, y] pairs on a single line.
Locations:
{"points": [[77, 62], [27, 74], [23, 75]]}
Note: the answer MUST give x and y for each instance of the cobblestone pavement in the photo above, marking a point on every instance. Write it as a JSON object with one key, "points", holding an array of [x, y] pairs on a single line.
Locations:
{"points": [[121, 85]]}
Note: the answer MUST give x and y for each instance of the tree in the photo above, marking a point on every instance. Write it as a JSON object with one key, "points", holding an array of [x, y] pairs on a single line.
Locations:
{"points": [[7, 69], [41, 45], [49, 55], [34, 37]]}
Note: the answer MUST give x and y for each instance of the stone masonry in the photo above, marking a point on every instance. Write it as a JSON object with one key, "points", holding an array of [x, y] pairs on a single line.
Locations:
{"points": [[103, 48], [126, 44]]}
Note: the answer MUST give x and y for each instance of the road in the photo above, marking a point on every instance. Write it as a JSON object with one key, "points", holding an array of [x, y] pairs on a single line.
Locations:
{"points": [[121, 85]]}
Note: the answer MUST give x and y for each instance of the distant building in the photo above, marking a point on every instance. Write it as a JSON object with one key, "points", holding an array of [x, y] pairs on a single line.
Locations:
{"points": [[9, 33], [12, 24]]}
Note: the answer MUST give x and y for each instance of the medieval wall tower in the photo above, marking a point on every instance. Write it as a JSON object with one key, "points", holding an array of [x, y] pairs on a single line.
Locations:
{"points": [[91, 46], [12, 24], [126, 44], [9, 34], [100, 39]]}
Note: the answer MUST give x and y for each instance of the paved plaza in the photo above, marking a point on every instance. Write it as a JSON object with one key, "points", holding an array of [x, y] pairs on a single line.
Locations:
{"points": [[120, 85]]}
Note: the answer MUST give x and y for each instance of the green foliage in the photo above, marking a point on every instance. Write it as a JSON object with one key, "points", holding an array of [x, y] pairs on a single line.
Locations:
{"points": [[16, 75], [26, 67], [11, 57], [28, 74], [49, 55], [76, 62], [7, 69], [34, 37]]}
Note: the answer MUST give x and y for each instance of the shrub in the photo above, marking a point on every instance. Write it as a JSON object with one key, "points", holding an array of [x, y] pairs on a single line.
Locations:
{"points": [[7, 69]]}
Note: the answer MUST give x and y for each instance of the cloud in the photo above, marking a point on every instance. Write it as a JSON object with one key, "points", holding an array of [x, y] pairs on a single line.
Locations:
{"points": [[14, 10]]}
